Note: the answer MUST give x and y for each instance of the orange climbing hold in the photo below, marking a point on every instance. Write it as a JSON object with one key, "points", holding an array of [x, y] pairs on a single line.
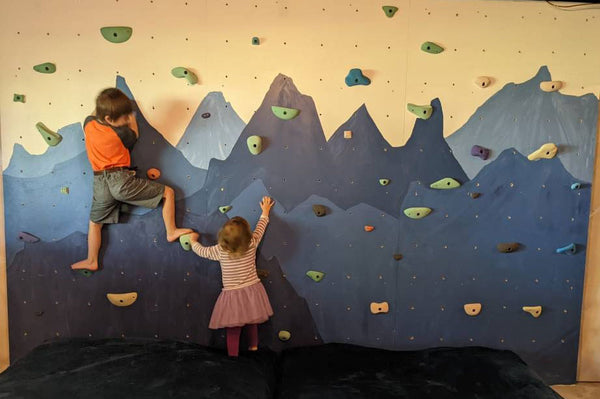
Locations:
{"points": [[153, 173], [369, 228]]}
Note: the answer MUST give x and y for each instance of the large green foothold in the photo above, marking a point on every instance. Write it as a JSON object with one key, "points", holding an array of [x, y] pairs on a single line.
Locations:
{"points": [[384, 182], [225, 209], [445, 184], [417, 212], [284, 335], [254, 144], [319, 210], [46, 67], [422, 111], [315, 275], [431, 48], [185, 242], [285, 113], [116, 34], [52, 138], [19, 98], [181, 72], [389, 10]]}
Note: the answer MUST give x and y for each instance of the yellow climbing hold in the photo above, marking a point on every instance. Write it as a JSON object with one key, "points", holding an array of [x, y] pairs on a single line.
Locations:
{"points": [[547, 151], [472, 309], [535, 311], [417, 212], [379, 307], [422, 111], [285, 113], [284, 335], [445, 184], [121, 300], [315, 275], [384, 182]]}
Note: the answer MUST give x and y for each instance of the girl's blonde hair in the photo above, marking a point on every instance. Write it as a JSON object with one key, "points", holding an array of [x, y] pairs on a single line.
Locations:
{"points": [[235, 235]]}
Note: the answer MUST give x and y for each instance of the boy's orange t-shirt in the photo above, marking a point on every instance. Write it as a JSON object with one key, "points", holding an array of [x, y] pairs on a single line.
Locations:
{"points": [[105, 147]]}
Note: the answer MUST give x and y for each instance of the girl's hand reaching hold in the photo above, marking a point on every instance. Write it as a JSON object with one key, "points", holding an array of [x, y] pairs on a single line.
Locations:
{"points": [[266, 204]]}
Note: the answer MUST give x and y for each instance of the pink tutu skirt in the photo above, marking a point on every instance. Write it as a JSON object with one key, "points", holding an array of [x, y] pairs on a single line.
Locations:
{"points": [[234, 308]]}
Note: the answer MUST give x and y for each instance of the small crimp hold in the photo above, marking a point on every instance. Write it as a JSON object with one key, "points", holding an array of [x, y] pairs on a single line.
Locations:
{"points": [[535, 311], [389, 10], [347, 134], [255, 41], [181, 72], [379, 307], [446, 183], [421, 111], [46, 67], [319, 210], [225, 208], [547, 151], [153, 173], [472, 309], [567, 249], [51, 137], [356, 77], [30, 238], [508, 247], [575, 186], [64, 190], [284, 335], [116, 34], [186, 242], [398, 256], [417, 212], [19, 98], [481, 152], [431, 48], [206, 115], [384, 182], [285, 113], [369, 228], [315, 275], [474, 195], [482, 81], [551, 86], [254, 144]]}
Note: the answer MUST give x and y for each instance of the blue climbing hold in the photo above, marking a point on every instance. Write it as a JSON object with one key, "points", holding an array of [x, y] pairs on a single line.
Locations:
{"points": [[568, 249], [356, 77], [575, 186]]}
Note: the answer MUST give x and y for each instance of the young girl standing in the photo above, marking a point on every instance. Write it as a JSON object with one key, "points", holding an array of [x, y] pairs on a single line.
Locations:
{"points": [[243, 300]]}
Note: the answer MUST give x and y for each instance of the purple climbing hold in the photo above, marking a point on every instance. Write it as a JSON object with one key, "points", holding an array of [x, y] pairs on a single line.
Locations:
{"points": [[481, 152], [23, 236]]}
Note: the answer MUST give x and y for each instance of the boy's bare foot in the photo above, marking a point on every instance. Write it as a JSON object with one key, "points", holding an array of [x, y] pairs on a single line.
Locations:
{"points": [[85, 264], [173, 236]]}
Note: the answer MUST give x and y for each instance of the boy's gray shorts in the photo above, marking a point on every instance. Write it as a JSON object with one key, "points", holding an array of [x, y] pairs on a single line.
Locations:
{"points": [[111, 188]]}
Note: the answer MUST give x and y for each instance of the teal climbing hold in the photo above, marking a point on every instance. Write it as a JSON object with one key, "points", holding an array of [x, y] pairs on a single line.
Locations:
{"points": [[422, 111], [315, 275], [51, 137], [181, 72], [254, 144], [19, 98], [285, 113], [575, 186], [320, 210], [116, 34], [86, 273], [389, 10], [225, 209], [568, 249], [46, 67], [255, 41], [417, 212], [185, 242], [384, 182], [431, 48], [445, 184], [356, 77]]}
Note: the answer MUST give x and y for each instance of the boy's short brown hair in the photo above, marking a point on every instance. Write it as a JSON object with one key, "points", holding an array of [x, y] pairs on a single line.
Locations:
{"points": [[113, 103], [235, 236]]}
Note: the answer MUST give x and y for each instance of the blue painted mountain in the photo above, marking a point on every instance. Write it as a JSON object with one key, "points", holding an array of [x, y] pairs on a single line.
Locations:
{"points": [[525, 117], [213, 136], [24, 164]]}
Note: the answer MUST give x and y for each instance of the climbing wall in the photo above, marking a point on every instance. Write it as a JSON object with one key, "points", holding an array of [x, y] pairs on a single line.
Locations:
{"points": [[433, 242]]}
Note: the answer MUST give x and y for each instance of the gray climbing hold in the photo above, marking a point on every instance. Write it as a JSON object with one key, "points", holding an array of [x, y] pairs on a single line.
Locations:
{"points": [[567, 249], [315, 275], [254, 144], [186, 242], [481, 152], [389, 10], [30, 238], [422, 111], [46, 67], [181, 72], [575, 186], [431, 48], [319, 210], [384, 182], [445, 184], [508, 247], [19, 98], [285, 113], [356, 77], [51, 137], [116, 34], [255, 41], [225, 209], [417, 212]]}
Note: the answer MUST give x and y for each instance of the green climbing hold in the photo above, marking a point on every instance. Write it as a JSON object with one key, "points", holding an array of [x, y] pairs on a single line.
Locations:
{"points": [[319, 210], [316, 276], [422, 111], [254, 144], [185, 242], [284, 335], [46, 67], [85, 272], [384, 182], [431, 48], [52, 138], [417, 212], [445, 184], [255, 41], [389, 10], [116, 34], [19, 98], [225, 209], [181, 72], [285, 113]]}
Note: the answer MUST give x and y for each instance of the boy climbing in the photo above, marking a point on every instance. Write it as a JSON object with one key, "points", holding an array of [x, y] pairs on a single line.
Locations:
{"points": [[110, 134]]}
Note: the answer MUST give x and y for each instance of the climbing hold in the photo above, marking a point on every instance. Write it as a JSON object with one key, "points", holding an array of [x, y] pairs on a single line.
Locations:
{"points": [[482, 81], [181, 72], [64, 190], [284, 335], [384, 182], [225, 208], [445, 184], [568, 249], [575, 186], [285, 113], [255, 41], [46, 67], [356, 77], [116, 34], [431, 48], [550, 86], [320, 210], [153, 173], [379, 307], [398, 256], [254, 144], [417, 212], [206, 115], [186, 242], [474, 195], [19, 98], [389, 10], [40, 313], [347, 134], [52, 138], [507, 247], [481, 152], [369, 228], [547, 151], [422, 111], [472, 309], [125, 299], [535, 311], [85, 272], [262, 273], [30, 238], [316, 276]]}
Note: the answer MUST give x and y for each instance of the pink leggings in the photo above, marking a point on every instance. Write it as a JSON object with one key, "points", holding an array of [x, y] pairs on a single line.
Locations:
{"points": [[233, 338]]}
